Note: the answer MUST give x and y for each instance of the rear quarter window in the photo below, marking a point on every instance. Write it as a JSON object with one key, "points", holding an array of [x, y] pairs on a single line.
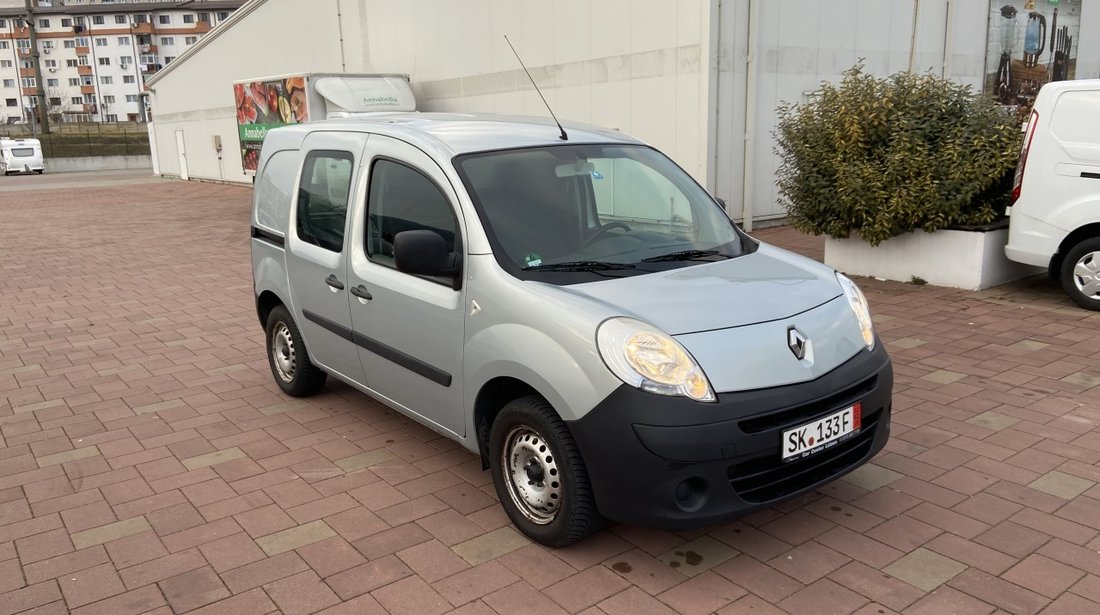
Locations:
{"points": [[273, 191], [22, 152]]}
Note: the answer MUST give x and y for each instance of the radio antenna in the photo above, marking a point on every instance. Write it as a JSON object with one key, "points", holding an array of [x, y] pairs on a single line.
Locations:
{"points": [[562, 136]]}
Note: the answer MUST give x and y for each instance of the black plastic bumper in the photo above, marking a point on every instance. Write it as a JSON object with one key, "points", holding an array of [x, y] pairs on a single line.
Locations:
{"points": [[676, 463]]}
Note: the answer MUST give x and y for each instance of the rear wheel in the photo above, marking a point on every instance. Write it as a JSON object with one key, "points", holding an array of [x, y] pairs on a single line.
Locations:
{"points": [[295, 374], [1080, 274], [539, 475]]}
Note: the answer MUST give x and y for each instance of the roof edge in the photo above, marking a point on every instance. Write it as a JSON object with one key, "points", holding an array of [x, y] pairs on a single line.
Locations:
{"points": [[237, 15]]}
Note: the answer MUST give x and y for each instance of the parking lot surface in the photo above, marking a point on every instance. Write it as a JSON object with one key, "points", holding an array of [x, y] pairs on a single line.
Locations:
{"points": [[148, 463]]}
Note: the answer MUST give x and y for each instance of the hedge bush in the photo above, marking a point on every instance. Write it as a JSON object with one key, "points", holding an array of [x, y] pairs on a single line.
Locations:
{"points": [[882, 156]]}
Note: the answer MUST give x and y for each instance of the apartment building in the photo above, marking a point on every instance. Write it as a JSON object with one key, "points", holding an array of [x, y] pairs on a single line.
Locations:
{"points": [[96, 57]]}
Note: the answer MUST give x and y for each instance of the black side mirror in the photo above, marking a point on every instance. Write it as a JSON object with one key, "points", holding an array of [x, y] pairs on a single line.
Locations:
{"points": [[421, 252]]}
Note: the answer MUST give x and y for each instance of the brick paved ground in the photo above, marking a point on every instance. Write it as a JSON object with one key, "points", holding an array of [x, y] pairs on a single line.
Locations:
{"points": [[148, 462]]}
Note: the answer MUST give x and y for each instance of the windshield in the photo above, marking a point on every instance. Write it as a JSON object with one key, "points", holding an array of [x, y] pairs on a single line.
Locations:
{"points": [[575, 213]]}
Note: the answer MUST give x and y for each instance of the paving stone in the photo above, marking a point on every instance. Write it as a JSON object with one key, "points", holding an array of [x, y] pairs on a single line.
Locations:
{"points": [[193, 589], [993, 420], [209, 459], [295, 537], [67, 456], [490, 546], [1060, 484], [925, 569], [111, 531], [364, 460], [697, 556]]}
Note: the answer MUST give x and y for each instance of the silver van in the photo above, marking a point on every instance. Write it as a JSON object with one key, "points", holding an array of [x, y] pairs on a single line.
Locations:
{"points": [[579, 312]]}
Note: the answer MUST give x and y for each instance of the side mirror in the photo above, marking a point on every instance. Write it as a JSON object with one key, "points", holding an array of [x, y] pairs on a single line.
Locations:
{"points": [[421, 252]]}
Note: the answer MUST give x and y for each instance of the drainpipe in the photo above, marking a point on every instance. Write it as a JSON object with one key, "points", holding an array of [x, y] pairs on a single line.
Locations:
{"points": [[750, 116], [340, 31], [913, 38], [948, 39]]}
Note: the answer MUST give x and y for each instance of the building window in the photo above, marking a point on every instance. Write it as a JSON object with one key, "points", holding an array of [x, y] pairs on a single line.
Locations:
{"points": [[86, 80], [168, 60], [191, 40], [9, 83], [55, 102], [164, 19], [81, 41], [148, 59], [97, 20], [75, 81], [167, 40], [204, 17], [120, 19], [5, 64], [29, 82], [126, 60], [23, 43], [129, 79], [69, 44], [43, 23], [223, 15], [52, 83], [124, 40], [109, 100], [106, 80], [101, 42], [66, 22], [76, 100], [3, 23], [104, 61], [50, 63], [112, 117], [47, 44], [89, 99], [141, 18], [131, 98], [3, 44], [188, 18], [11, 102]]}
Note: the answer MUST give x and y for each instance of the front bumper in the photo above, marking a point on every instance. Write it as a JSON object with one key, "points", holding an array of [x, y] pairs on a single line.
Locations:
{"points": [[676, 463]]}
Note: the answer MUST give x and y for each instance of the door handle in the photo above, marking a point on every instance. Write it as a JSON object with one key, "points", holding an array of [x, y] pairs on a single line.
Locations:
{"points": [[334, 283], [362, 292]]}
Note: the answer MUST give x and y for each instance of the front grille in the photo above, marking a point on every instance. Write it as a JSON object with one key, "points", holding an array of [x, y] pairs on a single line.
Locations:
{"points": [[804, 412], [767, 478]]}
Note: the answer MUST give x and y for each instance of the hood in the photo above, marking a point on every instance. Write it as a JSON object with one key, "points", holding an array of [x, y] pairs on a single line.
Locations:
{"points": [[769, 284]]}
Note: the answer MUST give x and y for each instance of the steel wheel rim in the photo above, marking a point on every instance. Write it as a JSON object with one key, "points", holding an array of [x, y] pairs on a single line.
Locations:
{"points": [[1086, 275], [282, 352], [531, 473]]}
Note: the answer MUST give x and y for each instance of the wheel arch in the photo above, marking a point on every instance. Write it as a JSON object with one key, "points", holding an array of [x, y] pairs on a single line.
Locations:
{"points": [[490, 400], [265, 302], [1077, 236]]}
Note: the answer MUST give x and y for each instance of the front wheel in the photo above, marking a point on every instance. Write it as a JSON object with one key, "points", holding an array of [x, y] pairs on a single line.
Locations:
{"points": [[1080, 274], [539, 475]]}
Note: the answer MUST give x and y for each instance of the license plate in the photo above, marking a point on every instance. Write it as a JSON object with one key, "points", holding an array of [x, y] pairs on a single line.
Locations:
{"points": [[821, 434]]}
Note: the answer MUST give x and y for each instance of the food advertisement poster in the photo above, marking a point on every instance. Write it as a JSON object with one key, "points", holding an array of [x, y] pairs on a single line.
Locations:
{"points": [[1029, 44], [263, 105]]}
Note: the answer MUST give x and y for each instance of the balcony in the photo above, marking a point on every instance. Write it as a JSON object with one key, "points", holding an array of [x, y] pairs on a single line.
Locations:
{"points": [[84, 70], [24, 52], [26, 72], [148, 49], [148, 69], [90, 108], [83, 51], [202, 27], [30, 91], [142, 28], [87, 89]]}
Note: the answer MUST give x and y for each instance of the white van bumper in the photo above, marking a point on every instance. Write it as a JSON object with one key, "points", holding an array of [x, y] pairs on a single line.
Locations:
{"points": [[1031, 241]]}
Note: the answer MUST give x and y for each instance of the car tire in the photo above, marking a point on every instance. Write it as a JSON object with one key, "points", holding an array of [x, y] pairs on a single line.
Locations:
{"points": [[529, 443], [295, 374], [1080, 274]]}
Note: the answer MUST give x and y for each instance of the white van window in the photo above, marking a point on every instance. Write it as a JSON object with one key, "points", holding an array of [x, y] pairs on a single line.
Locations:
{"points": [[274, 189], [403, 199], [22, 152], [323, 198]]}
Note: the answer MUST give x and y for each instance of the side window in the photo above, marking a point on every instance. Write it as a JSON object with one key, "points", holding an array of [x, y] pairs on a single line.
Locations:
{"points": [[403, 199], [323, 198]]}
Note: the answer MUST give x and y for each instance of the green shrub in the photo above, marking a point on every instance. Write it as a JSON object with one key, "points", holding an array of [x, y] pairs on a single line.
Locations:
{"points": [[880, 157]]}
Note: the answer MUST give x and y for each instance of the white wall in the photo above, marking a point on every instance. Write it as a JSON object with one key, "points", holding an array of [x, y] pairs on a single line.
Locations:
{"points": [[196, 95]]}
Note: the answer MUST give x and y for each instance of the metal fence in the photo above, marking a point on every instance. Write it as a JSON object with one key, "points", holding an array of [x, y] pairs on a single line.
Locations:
{"points": [[80, 139]]}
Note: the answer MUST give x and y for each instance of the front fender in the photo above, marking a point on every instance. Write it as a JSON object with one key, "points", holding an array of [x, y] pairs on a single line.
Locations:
{"points": [[573, 379]]}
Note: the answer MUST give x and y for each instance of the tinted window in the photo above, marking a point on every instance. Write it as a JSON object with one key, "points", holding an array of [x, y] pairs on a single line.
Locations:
{"points": [[403, 199], [323, 199], [22, 152]]}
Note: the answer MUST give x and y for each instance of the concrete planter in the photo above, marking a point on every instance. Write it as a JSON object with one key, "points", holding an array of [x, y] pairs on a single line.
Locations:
{"points": [[970, 259]]}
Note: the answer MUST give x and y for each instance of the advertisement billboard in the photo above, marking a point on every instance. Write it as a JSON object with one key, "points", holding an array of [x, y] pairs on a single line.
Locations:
{"points": [[266, 104]]}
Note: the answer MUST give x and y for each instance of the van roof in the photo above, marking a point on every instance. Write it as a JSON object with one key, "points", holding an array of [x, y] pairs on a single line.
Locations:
{"points": [[452, 134], [21, 141]]}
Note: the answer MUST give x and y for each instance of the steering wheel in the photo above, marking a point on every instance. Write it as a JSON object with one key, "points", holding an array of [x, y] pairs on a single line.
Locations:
{"points": [[603, 229]]}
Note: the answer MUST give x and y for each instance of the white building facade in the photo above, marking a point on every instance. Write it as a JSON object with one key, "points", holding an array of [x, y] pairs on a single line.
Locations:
{"points": [[699, 79], [95, 58]]}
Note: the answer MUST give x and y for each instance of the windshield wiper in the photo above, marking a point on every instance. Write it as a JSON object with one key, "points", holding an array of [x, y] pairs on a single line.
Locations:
{"points": [[580, 266], [685, 255]]}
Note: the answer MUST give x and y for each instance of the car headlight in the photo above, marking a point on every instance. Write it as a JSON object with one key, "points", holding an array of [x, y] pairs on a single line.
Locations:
{"points": [[649, 359], [859, 305]]}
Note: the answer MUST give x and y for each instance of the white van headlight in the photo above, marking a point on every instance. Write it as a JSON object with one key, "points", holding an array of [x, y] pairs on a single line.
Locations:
{"points": [[859, 305], [649, 359]]}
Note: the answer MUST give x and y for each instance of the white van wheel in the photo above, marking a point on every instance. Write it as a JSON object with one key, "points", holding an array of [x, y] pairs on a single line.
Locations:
{"points": [[286, 354], [539, 475], [1080, 275]]}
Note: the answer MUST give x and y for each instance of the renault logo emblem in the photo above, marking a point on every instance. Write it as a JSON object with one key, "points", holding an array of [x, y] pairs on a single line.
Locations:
{"points": [[797, 342]]}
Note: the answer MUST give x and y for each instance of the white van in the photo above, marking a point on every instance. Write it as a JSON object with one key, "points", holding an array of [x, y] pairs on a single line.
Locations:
{"points": [[21, 156], [1055, 209]]}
